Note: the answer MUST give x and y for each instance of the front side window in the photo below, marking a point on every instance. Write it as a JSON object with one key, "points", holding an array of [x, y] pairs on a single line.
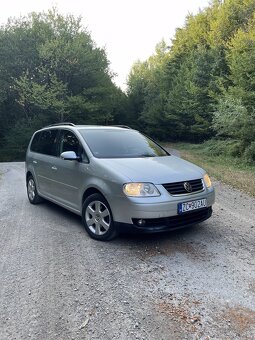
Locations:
{"points": [[111, 143], [69, 142]]}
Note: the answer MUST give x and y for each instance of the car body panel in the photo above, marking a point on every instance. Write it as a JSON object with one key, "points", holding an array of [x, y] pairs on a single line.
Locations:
{"points": [[155, 170]]}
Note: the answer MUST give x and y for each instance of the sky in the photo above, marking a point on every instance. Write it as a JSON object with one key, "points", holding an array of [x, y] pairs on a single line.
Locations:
{"points": [[128, 29]]}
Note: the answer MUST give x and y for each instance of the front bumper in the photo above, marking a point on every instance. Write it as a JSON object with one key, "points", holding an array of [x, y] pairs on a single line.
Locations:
{"points": [[153, 225], [125, 210]]}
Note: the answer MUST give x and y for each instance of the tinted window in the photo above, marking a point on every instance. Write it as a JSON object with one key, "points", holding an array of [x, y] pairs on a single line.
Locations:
{"points": [[34, 145], [69, 142], [45, 142], [111, 143]]}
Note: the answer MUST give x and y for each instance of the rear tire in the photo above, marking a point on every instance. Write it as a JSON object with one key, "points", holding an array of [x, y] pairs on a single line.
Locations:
{"points": [[32, 193], [97, 218]]}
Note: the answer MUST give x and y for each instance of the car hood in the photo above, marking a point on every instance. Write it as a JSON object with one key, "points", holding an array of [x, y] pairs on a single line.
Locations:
{"points": [[157, 170]]}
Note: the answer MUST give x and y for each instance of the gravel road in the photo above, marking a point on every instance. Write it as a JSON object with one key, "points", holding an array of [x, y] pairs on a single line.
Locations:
{"points": [[57, 283]]}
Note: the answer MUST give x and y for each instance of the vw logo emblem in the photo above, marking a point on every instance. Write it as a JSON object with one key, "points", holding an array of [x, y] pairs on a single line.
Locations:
{"points": [[187, 186]]}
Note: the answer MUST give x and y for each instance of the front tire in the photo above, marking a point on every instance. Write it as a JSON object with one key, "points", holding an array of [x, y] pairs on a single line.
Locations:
{"points": [[32, 193], [97, 218]]}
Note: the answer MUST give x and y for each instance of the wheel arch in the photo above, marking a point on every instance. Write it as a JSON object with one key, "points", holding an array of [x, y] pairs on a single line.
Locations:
{"points": [[90, 191], [29, 173]]}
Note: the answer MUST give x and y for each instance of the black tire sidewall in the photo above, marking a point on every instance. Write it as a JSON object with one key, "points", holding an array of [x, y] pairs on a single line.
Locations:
{"points": [[112, 232]]}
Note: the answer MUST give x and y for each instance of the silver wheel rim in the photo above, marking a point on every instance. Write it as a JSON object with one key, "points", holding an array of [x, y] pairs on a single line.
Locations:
{"points": [[31, 189], [98, 218]]}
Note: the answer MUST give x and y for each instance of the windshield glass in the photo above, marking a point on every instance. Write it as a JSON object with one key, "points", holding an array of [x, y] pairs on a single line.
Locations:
{"points": [[111, 143]]}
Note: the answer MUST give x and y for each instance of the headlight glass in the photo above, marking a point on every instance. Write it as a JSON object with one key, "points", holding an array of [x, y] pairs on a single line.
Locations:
{"points": [[140, 190], [207, 181]]}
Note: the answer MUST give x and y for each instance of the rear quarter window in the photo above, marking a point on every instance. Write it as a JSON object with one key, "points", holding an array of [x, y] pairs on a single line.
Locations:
{"points": [[45, 142], [34, 144]]}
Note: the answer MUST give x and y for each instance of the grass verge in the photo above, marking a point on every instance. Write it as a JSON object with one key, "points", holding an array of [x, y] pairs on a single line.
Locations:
{"points": [[229, 170]]}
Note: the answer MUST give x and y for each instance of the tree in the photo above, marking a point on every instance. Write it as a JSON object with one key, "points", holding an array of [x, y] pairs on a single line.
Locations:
{"points": [[203, 84], [52, 71]]}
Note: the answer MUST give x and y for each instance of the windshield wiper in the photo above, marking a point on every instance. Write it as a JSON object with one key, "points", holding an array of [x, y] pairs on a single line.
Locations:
{"points": [[146, 155]]}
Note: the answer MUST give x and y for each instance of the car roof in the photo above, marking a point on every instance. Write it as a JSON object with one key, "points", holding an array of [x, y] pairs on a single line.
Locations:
{"points": [[86, 127], [100, 127]]}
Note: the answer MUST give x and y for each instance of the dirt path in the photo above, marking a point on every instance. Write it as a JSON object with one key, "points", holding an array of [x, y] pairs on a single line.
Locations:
{"points": [[57, 283]]}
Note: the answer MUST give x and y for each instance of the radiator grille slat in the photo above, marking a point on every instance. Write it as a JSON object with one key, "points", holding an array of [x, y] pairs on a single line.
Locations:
{"points": [[178, 188]]}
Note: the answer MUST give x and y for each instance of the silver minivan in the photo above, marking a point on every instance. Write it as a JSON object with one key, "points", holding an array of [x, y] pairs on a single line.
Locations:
{"points": [[116, 179]]}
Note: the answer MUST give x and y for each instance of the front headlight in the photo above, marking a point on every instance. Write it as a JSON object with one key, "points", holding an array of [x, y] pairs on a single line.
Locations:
{"points": [[140, 190], [207, 181]]}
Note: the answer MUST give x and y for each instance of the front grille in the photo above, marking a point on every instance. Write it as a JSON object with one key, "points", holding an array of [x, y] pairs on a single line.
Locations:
{"points": [[177, 188], [174, 222]]}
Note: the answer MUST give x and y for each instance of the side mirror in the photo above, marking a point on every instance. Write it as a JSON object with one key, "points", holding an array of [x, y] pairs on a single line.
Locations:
{"points": [[70, 156]]}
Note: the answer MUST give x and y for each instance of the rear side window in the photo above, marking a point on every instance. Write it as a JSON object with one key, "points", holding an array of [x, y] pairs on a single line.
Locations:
{"points": [[34, 144], [45, 142]]}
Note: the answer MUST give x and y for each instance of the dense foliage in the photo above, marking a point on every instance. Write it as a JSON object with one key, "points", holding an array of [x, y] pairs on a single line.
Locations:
{"points": [[203, 85], [51, 71]]}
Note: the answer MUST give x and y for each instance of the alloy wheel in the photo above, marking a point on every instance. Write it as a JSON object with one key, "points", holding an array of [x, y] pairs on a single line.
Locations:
{"points": [[31, 189], [98, 217]]}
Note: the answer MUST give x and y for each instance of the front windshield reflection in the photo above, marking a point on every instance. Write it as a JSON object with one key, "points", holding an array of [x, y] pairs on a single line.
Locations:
{"points": [[111, 143]]}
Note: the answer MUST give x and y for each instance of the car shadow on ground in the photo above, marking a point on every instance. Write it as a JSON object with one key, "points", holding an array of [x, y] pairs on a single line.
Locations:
{"points": [[70, 222], [157, 236]]}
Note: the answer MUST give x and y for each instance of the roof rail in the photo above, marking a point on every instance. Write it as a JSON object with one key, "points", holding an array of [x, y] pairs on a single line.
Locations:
{"points": [[63, 123], [122, 126]]}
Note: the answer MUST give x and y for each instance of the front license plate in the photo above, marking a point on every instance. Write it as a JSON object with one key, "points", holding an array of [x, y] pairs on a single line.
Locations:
{"points": [[191, 205]]}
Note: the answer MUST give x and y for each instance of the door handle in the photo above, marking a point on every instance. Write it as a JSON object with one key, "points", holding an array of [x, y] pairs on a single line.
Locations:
{"points": [[35, 162], [54, 168]]}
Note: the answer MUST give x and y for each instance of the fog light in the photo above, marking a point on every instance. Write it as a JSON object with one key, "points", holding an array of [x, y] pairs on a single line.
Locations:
{"points": [[141, 222]]}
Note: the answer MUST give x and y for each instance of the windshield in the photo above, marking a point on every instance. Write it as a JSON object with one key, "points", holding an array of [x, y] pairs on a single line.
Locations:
{"points": [[111, 143]]}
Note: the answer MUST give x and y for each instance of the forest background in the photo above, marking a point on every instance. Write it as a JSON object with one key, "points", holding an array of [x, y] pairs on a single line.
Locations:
{"points": [[200, 89]]}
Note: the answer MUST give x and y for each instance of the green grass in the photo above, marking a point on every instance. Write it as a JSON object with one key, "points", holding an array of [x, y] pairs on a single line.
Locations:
{"points": [[229, 170]]}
